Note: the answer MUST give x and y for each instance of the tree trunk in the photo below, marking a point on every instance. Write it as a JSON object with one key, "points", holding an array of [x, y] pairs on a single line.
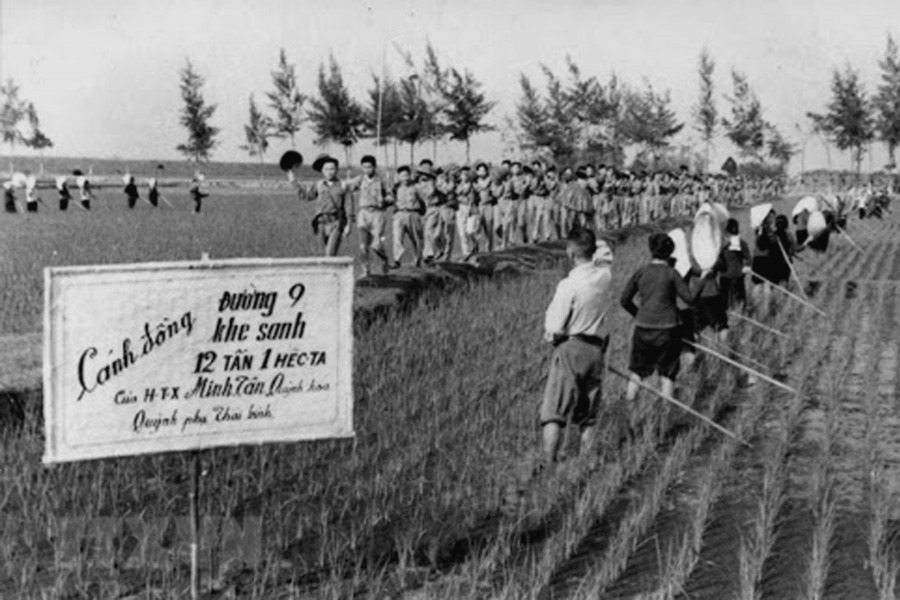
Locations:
{"points": [[468, 147], [434, 150], [412, 155], [396, 158]]}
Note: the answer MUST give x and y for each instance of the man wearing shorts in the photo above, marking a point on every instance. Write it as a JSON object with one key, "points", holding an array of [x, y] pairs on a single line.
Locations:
{"points": [[655, 345], [574, 324]]}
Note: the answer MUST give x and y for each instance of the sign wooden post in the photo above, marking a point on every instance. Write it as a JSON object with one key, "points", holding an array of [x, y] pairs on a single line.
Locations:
{"points": [[163, 357]]}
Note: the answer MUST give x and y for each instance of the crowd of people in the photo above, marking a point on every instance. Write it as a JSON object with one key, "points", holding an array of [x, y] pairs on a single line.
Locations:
{"points": [[27, 182], [673, 300], [484, 208]]}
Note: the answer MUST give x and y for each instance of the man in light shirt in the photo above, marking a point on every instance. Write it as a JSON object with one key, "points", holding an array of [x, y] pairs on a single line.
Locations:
{"points": [[375, 196], [574, 324]]}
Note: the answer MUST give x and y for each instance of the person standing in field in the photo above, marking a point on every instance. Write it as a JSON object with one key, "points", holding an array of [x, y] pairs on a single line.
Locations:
{"points": [[131, 192], [153, 192], [331, 221], [31, 197], [736, 255], [655, 345], [486, 203], [433, 199], [446, 186], [63, 190], [408, 209], [371, 219], [196, 191], [85, 194], [575, 324], [9, 197], [468, 221]]}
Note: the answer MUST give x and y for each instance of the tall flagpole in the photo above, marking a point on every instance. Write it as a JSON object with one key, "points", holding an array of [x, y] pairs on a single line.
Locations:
{"points": [[381, 102]]}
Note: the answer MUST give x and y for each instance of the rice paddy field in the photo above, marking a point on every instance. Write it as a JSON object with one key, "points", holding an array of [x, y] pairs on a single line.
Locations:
{"points": [[437, 497]]}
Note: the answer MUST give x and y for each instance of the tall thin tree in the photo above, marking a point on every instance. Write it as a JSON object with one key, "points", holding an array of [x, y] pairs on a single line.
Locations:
{"points": [[466, 108], [258, 130], [746, 127], [849, 121], [335, 115], [13, 110], [286, 100], [38, 140], [195, 116], [705, 113], [887, 100]]}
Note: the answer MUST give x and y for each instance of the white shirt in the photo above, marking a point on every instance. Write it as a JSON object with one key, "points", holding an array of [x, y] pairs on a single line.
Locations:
{"points": [[580, 303]]}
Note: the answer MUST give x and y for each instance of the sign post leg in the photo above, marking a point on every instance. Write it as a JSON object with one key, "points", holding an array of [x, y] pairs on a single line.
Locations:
{"points": [[195, 524]]}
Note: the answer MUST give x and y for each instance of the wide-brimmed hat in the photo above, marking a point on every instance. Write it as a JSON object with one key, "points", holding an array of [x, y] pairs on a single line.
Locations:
{"points": [[290, 160], [322, 160]]}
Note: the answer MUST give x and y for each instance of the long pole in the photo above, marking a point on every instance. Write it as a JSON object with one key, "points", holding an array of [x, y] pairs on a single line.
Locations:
{"points": [[787, 259], [680, 405], [790, 294], [381, 102], [195, 524], [735, 363], [713, 342], [763, 326], [849, 239]]}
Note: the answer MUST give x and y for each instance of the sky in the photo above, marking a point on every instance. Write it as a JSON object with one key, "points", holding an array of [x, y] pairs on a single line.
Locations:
{"points": [[103, 74]]}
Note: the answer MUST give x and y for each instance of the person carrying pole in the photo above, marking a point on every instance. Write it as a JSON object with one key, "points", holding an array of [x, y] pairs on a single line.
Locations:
{"points": [[655, 345], [575, 323]]}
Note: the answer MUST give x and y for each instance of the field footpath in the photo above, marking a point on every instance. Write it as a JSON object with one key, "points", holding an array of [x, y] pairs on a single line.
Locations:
{"points": [[377, 297]]}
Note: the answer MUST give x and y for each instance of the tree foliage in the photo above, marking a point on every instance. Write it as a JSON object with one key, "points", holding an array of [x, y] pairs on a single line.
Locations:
{"points": [[195, 117], [887, 100], [13, 111], [466, 107], [779, 149], [335, 115], [258, 130], [705, 113], [848, 122], [649, 121], [391, 108], [286, 100], [746, 128]]}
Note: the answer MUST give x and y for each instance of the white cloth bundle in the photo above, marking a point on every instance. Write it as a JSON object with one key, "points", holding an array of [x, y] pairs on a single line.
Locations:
{"points": [[706, 241], [680, 254], [816, 225]]}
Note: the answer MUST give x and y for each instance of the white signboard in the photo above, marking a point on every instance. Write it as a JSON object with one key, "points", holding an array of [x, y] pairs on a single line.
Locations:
{"points": [[177, 356]]}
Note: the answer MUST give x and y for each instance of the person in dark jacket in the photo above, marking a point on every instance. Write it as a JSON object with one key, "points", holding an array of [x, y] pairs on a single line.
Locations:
{"points": [[655, 345], [736, 256]]}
